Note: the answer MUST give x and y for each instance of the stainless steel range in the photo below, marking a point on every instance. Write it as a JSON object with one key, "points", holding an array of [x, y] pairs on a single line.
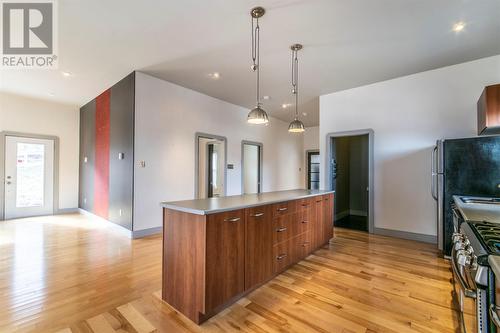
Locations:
{"points": [[471, 273]]}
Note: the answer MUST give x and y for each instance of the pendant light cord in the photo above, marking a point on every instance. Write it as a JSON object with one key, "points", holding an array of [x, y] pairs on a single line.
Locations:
{"points": [[295, 81], [256, 53]]}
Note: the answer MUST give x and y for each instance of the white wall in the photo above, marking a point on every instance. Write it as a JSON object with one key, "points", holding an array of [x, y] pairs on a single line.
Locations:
{"points": [[34, 116], [408, 114], [167, 118]]}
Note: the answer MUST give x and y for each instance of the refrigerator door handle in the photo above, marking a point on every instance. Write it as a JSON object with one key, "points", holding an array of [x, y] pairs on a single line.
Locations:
{"points": [[434, 173]]}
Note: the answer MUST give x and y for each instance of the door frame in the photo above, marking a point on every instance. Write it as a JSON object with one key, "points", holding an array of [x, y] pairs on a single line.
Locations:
{"points": [[327, 183], [261, 163], [3, 134], [197, 137], [313, 151]]}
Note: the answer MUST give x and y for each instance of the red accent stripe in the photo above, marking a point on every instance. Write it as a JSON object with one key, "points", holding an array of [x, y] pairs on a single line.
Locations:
{"points": [[101, 176]]}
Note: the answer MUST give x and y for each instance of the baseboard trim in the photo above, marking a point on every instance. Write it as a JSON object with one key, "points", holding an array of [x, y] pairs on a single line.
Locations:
{"points": [[358, 212], [62, 211], [115, 226], [146, 232], [341, 215], [406, 235]]}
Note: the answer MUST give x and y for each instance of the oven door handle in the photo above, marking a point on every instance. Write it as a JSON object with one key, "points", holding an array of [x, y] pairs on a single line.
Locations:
{"points": [[468, 292], [494, 315]]}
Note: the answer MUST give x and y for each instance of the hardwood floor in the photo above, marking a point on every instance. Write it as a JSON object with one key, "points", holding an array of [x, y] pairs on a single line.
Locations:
{"points": [[57, 275]]}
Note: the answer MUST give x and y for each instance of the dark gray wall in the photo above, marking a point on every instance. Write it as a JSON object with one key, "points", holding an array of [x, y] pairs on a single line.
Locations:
{"points": [[121, 141], [87, 149], [121, 171]]}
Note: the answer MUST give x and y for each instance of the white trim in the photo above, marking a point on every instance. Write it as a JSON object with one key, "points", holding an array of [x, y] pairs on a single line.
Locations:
{"points": [[406, 235]]}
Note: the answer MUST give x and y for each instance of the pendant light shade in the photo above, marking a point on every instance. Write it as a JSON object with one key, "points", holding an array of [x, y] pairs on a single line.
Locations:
{"points": [[257, 115], [296, 126]]}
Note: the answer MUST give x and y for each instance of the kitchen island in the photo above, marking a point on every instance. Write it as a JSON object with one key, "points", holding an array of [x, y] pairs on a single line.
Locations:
{"points": [[219, 249]]}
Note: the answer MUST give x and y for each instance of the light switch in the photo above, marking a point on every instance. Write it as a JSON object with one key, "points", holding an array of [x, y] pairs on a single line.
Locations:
{"points": [[121, 156], [142, 164], [85, 159]]}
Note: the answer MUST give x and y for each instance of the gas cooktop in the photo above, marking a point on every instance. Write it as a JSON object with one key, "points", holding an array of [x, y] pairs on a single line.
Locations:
{"points": [[488, 234]]}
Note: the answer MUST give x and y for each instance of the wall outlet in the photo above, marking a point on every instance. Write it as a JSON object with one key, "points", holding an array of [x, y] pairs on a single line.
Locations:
{"points": [[142, 164], [85, 159], [121, 156]]}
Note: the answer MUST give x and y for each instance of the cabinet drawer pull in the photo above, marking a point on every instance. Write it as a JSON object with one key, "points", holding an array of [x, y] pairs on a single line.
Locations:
{"points": [[257, 215], [281, 229], [281, 256], [305, 221], [305, 244], [282, 209], [305, 205], [232, 219]]}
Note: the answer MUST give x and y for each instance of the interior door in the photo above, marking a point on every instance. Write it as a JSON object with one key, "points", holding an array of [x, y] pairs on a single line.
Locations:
{"points": [[251, 168], [29, 177], [313, 160]]}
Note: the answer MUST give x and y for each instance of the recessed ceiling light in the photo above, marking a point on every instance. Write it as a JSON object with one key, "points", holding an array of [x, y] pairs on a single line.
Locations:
{"points": [[304, 114], [66, 74], [284, 105], [214, 75], [459, 26]]}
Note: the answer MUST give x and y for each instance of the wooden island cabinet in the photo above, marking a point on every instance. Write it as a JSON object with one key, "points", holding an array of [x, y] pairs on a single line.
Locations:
{"points": [[217, 250]]}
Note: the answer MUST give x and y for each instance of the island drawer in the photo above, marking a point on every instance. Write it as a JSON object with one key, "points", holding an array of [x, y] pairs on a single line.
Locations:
{"points": [[284, 227], [304, 204], [284, 208], [282, 255]]}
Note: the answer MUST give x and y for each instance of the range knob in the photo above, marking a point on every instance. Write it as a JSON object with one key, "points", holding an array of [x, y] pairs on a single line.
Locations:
{"points": [[457, 237], [461, 244]]}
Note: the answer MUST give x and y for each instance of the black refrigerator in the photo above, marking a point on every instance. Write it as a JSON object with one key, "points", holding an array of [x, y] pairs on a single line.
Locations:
{"points": [[470, 167]]}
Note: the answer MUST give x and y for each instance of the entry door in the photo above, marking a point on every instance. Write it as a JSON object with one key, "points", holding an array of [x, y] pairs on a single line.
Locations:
{"points": [[29, 177]]}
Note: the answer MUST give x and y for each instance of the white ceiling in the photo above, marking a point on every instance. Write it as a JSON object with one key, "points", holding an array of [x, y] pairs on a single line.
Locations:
{"points": [[346, 44]]}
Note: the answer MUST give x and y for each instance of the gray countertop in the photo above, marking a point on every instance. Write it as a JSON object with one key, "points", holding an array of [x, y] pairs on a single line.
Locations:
{"points": [[224, 204], [495, 264], [477, 212]]}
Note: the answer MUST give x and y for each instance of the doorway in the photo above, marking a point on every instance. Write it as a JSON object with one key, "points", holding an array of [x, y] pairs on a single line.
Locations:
{"points": [[251, 167], [350, 174], [313, 163], [211, 166], [29, 181]]}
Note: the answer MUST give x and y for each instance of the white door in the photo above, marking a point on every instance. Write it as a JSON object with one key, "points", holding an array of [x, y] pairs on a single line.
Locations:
{"points": [[29, 177]]}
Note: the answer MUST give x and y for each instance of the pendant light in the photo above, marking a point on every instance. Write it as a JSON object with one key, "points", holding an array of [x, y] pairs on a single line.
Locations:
{"points": [[257, 115], [296, 126]]}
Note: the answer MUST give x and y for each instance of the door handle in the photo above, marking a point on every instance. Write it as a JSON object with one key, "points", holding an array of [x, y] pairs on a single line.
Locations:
{"points": [[433, 173], [494, 315]]}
